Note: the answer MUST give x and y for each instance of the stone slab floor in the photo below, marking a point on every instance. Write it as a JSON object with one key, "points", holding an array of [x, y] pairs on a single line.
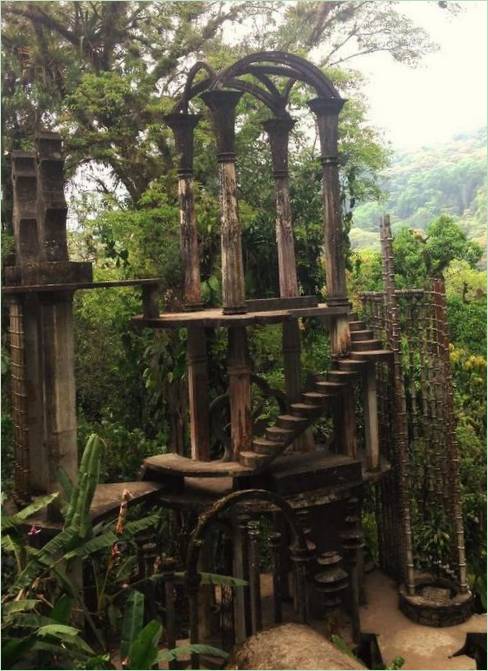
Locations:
{"points": [[421, 647]]}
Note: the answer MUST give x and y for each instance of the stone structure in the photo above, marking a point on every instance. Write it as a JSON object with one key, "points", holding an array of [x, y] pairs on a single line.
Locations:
{"points": [[309, 494]]}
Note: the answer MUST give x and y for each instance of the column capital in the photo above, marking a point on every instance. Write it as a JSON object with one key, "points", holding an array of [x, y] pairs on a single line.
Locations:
{"points": [[326, 106], [327, 112], [278, 130], [183, 124], [222, 105]]}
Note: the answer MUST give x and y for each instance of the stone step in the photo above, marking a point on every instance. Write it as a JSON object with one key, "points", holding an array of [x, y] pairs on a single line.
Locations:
{"points": [[328, 387], [267, 447], [279, 435], [315, 398], [253, 460], [365, 345], [342, 375], [363, 334], [305, 410], [292, 422], [352, 316], [357, 326], [372, 354], [350, 364]]}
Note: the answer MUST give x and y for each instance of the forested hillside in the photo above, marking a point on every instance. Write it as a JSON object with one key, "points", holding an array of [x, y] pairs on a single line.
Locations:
{"points": [[423, 184]]}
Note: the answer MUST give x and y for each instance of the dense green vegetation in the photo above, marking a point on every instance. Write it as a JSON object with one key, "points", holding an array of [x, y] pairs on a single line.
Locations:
{"points": [[103, 74], [420, 185]]}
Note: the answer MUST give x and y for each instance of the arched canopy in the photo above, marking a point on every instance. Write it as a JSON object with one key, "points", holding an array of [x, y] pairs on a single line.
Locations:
{"points": [[262, 66], [228, 502]]}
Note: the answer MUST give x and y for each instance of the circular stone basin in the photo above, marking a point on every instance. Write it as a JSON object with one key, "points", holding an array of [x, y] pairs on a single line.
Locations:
{"points": [[436, 602]]}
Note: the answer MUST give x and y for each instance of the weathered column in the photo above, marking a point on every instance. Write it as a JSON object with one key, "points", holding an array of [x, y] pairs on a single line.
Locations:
{"points": [[183, 126], [24, 179], [51, 203], [370, 405], [24, 211], [349, 422], [352, 543], [400, 425], [327, 111], [239, 392], [278, 131], [222, 105], [19, 398], [57, 351]]}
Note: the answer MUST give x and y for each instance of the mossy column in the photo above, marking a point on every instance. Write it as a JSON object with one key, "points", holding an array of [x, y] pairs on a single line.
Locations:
{"points": [[222, 105], [24, 335], [183, 126], [326, 111], [57, 351], [278, 130]]}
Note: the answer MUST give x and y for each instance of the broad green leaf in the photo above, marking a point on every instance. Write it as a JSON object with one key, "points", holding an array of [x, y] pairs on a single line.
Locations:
{"points": [[99, 662], [15, 650], [215, 579], [48, 555], [19, 606], [135, 527], [93, 545], [34, 507], [144, 649], [132, 622], [61, 610], [58, 629], [65, 482], [32, 620], [194, 648]]}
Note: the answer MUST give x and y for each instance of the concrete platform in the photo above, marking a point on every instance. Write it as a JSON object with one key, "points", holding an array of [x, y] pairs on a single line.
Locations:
{"points": [[421, 647]]}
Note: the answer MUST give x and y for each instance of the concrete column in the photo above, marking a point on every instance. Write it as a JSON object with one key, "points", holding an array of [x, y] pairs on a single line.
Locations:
{"points": [[370, 404], [183, 125], [222, 105], [327, 111], [198, 393], [349, 423], [239, 392]]}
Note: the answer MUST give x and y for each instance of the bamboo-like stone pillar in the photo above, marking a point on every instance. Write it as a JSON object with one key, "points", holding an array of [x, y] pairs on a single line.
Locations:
{"points": [[400, 426], [371, 430], [455, 504], [278, 130], [183, 125], [327, 111], [222, 105], [239, 371], [57, 353]]}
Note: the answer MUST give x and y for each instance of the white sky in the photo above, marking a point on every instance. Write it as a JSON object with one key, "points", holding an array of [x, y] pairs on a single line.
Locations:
{"points": [[446, 94]]}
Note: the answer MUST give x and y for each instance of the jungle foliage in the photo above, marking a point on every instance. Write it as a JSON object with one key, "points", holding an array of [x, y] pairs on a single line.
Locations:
{"points": [[103, 74], [422, 184]]}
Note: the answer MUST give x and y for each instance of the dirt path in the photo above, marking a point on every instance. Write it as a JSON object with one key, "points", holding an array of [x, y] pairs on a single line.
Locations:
{"points": [[421, 647]]}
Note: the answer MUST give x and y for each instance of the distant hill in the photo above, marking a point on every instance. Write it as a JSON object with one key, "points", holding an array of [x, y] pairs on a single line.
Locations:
{"points": [[422, 184]]}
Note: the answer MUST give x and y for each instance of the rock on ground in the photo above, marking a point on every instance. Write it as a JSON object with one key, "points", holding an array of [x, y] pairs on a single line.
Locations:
{"points": [[290, 646]]}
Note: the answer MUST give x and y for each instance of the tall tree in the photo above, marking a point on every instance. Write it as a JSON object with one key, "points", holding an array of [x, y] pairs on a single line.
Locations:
{"points": [[104, 72]]}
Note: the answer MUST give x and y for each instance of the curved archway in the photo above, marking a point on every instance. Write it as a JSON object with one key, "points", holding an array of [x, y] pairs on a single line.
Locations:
{"points": [[299, 548]]}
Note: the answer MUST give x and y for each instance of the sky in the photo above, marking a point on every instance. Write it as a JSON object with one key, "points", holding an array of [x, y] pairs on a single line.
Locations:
{"points": [[443, 96]]}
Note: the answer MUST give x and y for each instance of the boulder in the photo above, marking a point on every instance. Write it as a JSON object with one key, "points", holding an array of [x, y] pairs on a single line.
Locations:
{"points": [[290, 646]]}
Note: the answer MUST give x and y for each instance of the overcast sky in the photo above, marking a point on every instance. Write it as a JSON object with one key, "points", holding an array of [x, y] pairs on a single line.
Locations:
{"points": [[443, 96]]}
